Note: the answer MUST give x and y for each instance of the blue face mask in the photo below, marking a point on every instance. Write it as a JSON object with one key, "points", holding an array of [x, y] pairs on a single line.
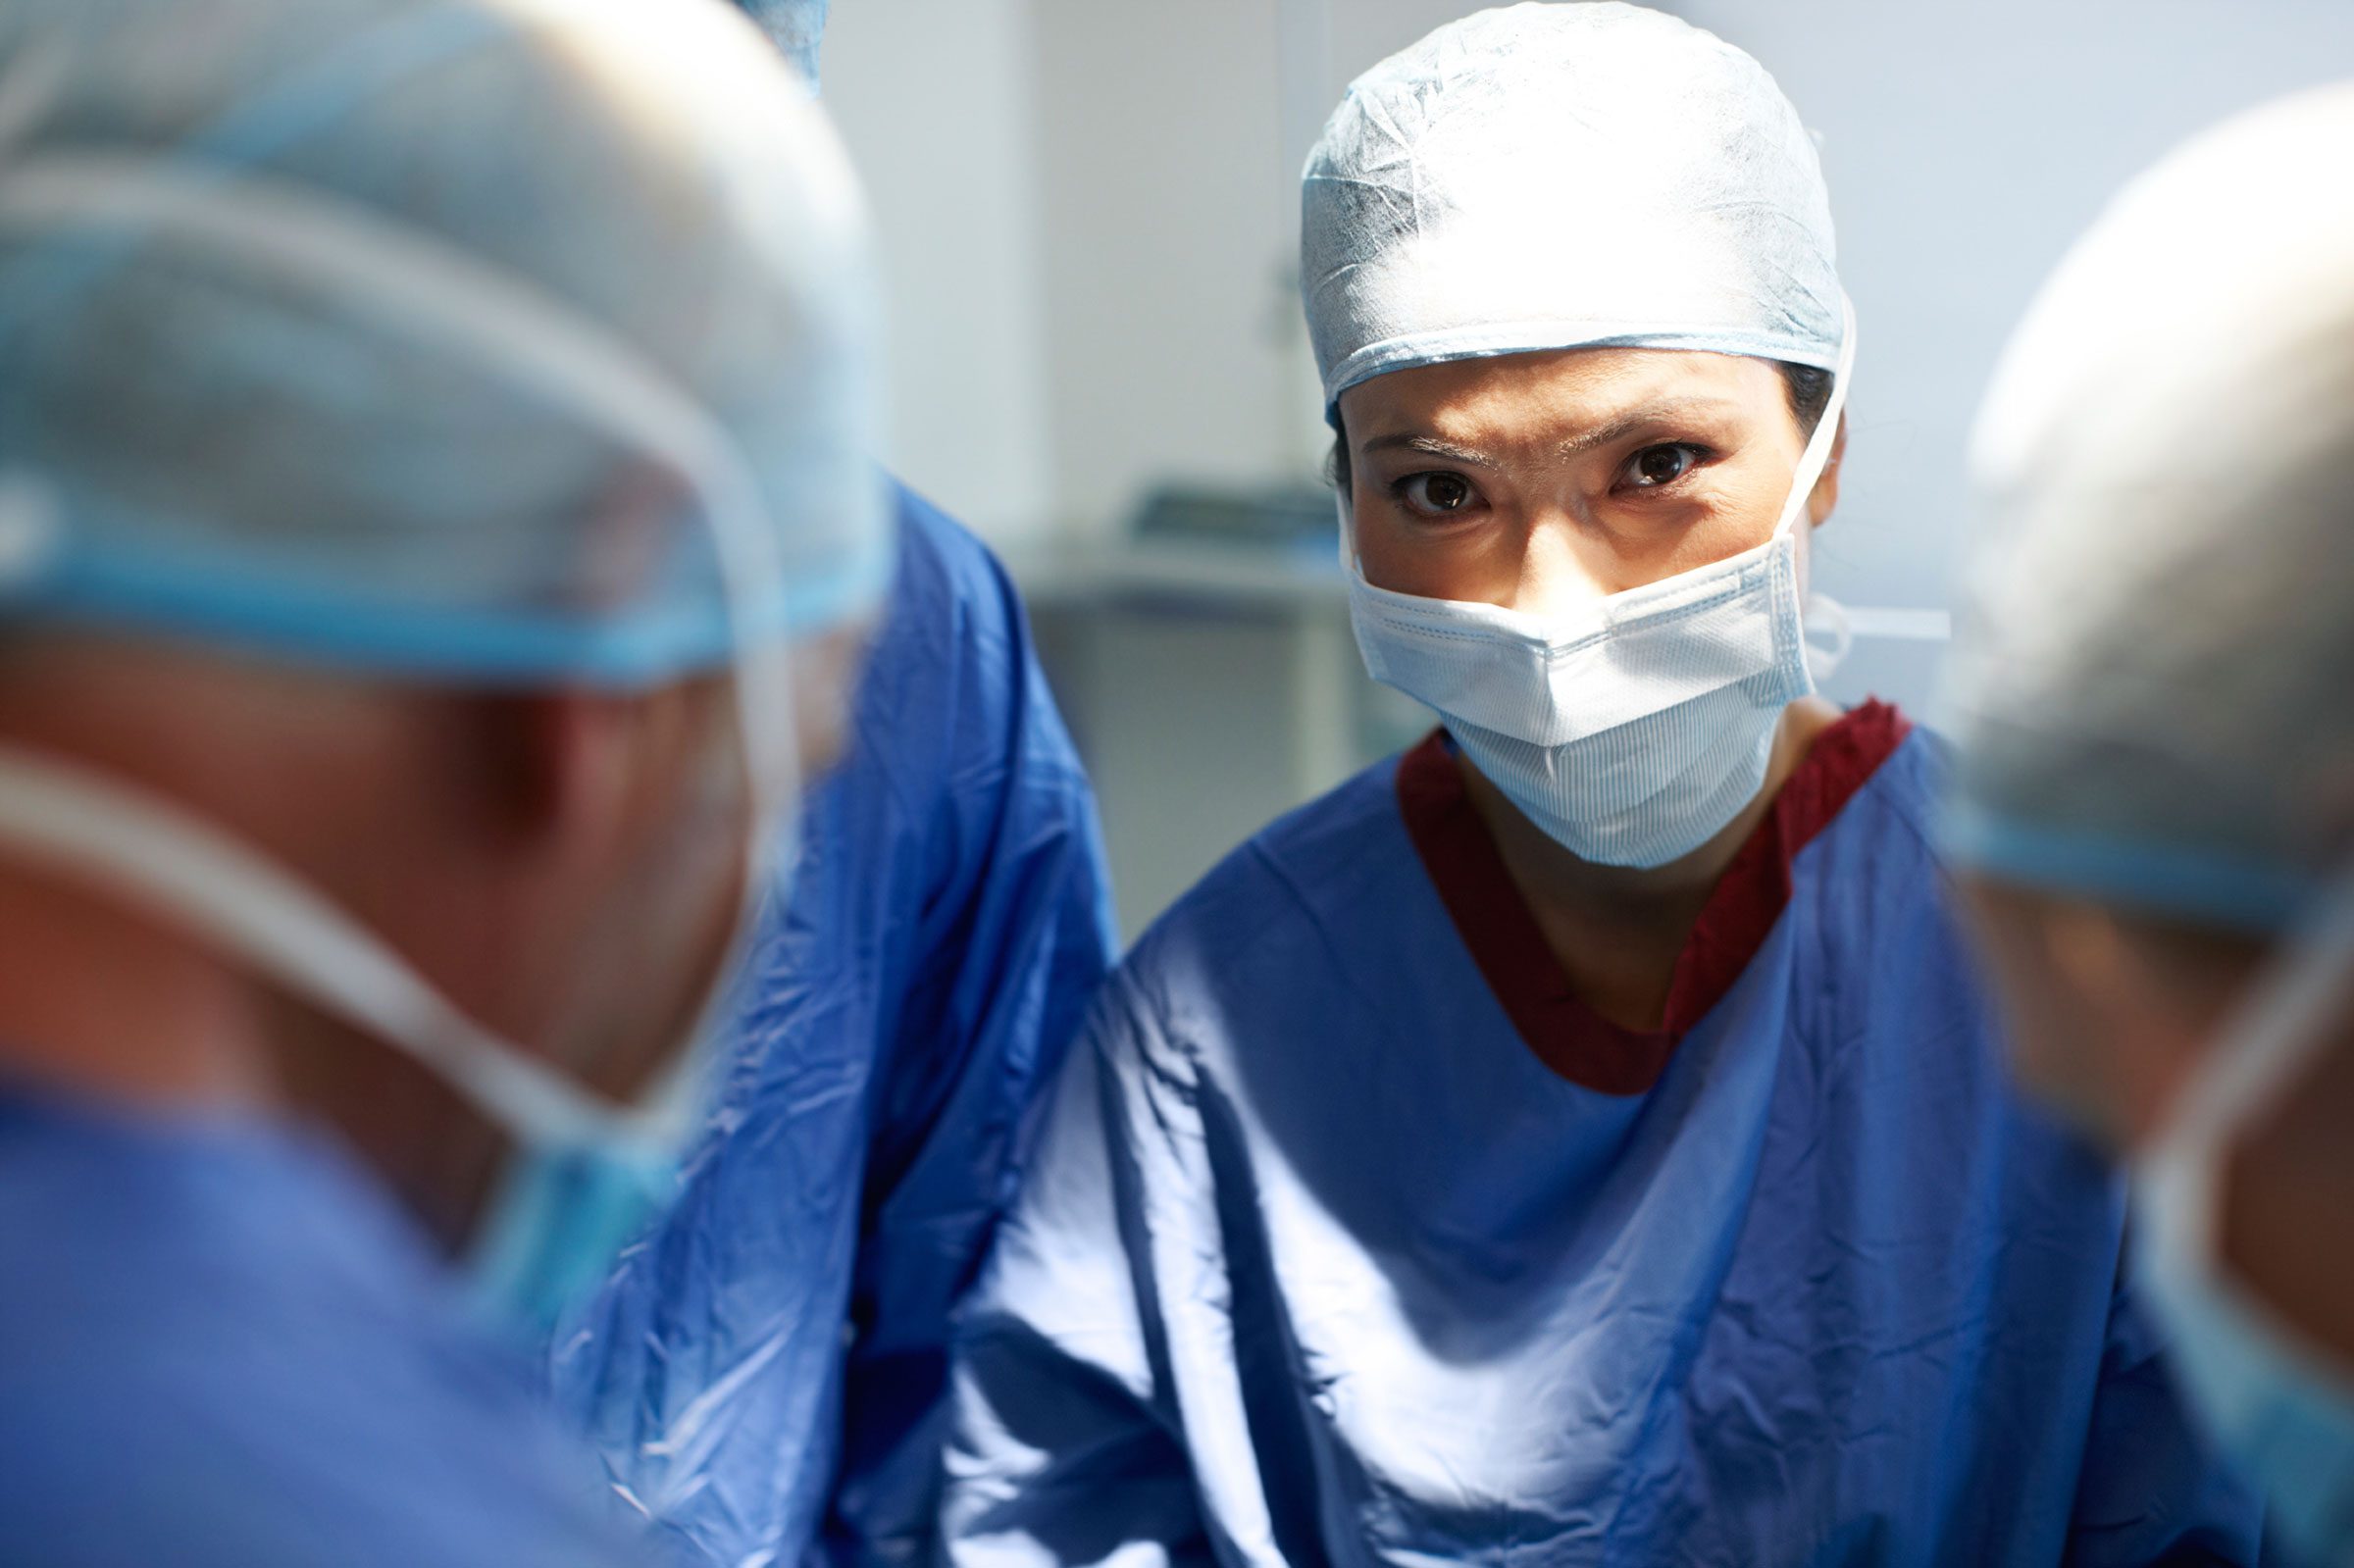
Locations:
{"points": [[576, 1192], [556, 1223], [2281, 1409], [2272, 1406]]}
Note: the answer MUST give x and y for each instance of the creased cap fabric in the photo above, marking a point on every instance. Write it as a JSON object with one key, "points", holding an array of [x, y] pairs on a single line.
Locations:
{"points": [[1544, 177], [438, 339]]}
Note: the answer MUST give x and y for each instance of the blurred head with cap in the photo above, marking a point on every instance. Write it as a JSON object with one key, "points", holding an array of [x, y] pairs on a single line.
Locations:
{"points": [[436, 521], [2154, 805], [2154, 713]]}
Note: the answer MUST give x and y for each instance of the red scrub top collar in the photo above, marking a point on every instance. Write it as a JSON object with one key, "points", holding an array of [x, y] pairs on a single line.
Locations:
{"points": [[1504, 940]]}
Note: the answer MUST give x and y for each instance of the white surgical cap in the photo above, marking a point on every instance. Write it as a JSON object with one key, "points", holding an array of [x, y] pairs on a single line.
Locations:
{"points": [[2155, 676], [442, 336], [1547, 177]]}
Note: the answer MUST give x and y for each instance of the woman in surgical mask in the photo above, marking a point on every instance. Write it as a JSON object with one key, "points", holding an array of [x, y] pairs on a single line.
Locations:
{"points": [[2154, 803], [1579, 1139]]}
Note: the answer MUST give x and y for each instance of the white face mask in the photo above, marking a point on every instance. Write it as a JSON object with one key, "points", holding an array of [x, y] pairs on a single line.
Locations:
{"points": [[1634, 727], [583, 1169], [2280, 1408]]}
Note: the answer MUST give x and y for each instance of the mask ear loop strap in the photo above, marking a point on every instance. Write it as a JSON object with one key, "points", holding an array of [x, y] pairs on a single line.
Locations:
{"points": [[1817, 454], [1829, 632], [2279, 1031], [152, 854]]}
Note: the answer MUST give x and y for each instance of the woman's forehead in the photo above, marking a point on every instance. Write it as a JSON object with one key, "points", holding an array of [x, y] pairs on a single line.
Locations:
{"points": [[1554, 394]]}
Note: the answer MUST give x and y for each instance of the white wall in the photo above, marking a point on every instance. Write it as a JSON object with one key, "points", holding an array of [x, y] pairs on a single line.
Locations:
{"points": [[936, 101], [1167, 236], [1966, 146]]}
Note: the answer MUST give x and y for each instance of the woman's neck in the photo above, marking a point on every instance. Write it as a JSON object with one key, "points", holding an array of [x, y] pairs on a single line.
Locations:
{"points": [[1619, 930]]}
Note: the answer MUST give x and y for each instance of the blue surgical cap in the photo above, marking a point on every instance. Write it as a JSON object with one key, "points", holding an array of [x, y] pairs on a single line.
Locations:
{"points": [[1549, 177], [473, 338]]}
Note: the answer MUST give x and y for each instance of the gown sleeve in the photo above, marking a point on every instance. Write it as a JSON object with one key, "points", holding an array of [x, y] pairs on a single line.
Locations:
{"points": [[1064, 1447], [2150, 1492], [1013, 939]]}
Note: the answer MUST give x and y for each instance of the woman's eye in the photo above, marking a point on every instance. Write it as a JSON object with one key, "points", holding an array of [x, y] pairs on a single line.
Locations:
{"points": [[1656, 466], [1438, 494]]}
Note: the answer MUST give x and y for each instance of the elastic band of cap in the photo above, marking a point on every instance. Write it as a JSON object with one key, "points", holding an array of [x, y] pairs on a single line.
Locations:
{"points": [[2164, 880], [487, 646]]}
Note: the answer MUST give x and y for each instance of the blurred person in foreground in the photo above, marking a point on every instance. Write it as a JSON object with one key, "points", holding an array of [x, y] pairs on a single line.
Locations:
{"points": [[436, 529], [767, 1370], [1583, 1138], [2154, 802]]}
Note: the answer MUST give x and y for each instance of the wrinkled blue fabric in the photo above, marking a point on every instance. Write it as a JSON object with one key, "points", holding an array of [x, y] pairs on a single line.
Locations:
{"points": [[950, 921], [1318, 1263], [220, 1347]]}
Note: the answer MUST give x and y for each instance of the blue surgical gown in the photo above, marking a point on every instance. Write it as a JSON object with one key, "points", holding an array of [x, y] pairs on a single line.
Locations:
{"points": [[1354, 1237], [765, 1375], [221, 1347]]}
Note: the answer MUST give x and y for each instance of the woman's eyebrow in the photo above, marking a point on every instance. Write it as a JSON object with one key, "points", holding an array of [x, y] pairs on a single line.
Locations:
{"points": [[1430, 446], [1622, 425], [1616, 427]]}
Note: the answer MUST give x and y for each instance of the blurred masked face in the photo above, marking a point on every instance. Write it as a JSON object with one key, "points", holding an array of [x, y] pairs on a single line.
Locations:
{"points": [[677, 906], [1540, 480], [612, 957]]}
